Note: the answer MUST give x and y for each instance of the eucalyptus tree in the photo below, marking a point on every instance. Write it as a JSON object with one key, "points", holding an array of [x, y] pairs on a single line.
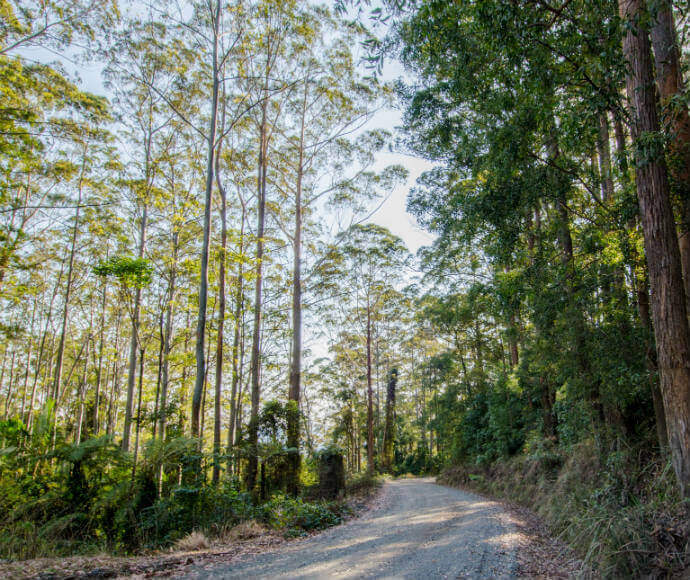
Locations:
{"points": [[180, 164], [674, 112], [211, 16], [368, 261], [526, 186], [87, 142], [214, 30], [139, 73], [275, 21], [37, 97], [234, 173], [326, 158], [669, 311]]}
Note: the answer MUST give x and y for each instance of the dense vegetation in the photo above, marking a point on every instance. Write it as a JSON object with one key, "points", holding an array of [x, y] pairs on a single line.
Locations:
{"points": [[561, 166], [198, 308]]}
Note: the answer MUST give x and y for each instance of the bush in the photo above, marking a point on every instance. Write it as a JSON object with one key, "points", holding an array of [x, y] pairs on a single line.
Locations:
{"points": [[292, 514], [81, 499], [362, 483], [620, 510]]}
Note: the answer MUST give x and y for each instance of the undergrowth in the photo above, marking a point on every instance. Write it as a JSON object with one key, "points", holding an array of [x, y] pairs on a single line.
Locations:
{"points": [[620, 510], [83, 499]]}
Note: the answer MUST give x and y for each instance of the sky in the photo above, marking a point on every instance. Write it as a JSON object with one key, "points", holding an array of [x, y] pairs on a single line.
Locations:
{"points": [[391, 214]]}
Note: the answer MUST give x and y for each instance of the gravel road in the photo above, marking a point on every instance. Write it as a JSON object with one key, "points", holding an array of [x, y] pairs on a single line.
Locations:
{"points": [[422, 530]]}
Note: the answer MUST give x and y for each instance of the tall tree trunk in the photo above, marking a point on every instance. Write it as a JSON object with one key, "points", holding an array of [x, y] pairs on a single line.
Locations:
{"points": [[242, 386], [99, 368], [669, 313], [236, 362], [28, 360], [167, 339], [651, 360], [114, 389], [642, 291], [137, 429], [389, 428], [255, 362], [221, 327], [65, 309], [202, 426], [159, 373], [184, 391], [604, 152], [82, 393], [134, 339], [670, 82], [203, 284], [293, 418], [370, 398]]}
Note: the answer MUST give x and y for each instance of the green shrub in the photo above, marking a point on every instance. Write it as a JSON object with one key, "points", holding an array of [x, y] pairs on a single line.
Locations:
{"points": [[81, 499], [362, 483], [294, 514], [619, 509]]}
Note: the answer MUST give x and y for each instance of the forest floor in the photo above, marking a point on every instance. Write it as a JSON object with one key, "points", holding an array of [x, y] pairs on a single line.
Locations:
{"points": [[539, 553], [410, 528]]}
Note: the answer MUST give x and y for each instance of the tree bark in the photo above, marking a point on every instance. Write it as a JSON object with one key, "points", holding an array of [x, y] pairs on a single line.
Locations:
{"points": [[389, 428], [669, 313], [255, 362], [203, 284], [370, 399], [221, 327], [167, 338], [293, 427], [134, 339], [670, 82]]}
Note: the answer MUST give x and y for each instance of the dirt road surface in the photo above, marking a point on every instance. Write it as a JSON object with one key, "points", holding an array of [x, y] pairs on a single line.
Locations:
{"points": [[422, 530]]}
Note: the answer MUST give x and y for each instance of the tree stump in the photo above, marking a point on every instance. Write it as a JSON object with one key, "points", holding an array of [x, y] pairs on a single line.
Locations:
{"points": [[331, 474]]}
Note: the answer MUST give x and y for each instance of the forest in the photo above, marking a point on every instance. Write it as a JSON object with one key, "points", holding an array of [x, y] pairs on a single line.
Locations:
{"points": [[200, 310]]}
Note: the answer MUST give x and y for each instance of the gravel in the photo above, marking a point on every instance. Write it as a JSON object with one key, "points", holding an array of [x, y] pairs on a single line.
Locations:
{"points": [[421, 530]]}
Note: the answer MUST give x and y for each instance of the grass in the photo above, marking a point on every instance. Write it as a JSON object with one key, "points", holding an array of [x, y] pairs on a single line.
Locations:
{"points": [[620, 511], [193, 542]]}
